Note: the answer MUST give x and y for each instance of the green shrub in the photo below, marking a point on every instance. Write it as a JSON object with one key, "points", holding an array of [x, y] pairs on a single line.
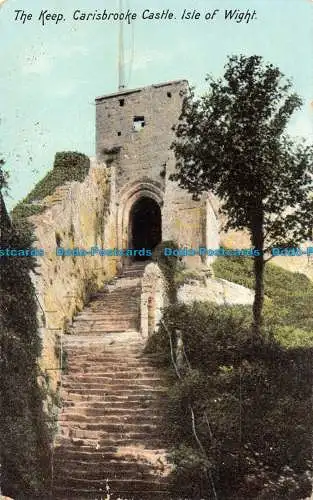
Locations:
{"points": [[190, 478], [251, 401], [169, 266]]}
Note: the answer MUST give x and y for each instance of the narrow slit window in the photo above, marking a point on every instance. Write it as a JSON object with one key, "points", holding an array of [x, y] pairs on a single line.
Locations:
{"points": [[138, 123]]}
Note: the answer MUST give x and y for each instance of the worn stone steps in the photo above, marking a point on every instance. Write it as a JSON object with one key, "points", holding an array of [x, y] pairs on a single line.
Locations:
{"points": [[111, 423]]}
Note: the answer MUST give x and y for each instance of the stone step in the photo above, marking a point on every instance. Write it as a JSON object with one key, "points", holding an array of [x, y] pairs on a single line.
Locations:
{"points": [[112, 434], [113, 313], [96, 450], [118, 485], [109, 327], [107, 348], [114, 328], [99, 324], [83, 494], [123, 358], [112, 382], [105, 318], [117, 356], [118, 299], [103, 360], [109, 376], [119, 439], [99, 470], [112, 385], [119, 404], [120, 391], [121, 367], [120, 371], [84, 367], [121, 419], [115, 401], [127, 461], [85, 413]]}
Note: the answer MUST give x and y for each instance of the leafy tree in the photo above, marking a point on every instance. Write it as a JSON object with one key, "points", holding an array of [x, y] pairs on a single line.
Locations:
{"points": [[232, 142]]}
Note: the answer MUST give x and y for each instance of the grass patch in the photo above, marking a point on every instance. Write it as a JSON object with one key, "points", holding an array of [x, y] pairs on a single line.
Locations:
{"points": [[288, 312]]}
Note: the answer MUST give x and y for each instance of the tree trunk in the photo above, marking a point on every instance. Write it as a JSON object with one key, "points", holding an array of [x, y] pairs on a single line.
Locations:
{"points": [[257, 239], [259, 293]]}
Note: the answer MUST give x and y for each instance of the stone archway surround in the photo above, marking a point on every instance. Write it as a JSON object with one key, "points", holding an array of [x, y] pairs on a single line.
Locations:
{"points": [[126, 202]]}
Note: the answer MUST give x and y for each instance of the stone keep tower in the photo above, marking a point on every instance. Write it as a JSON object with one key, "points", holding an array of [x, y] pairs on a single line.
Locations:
{"points": [[134, 132]]}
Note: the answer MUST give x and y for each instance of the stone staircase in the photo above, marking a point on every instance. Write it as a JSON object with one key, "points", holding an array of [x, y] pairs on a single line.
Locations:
{"points": [[110, 426]]}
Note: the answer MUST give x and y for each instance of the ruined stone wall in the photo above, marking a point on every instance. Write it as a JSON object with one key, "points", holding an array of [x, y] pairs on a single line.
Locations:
{"points": [[76, 216]]}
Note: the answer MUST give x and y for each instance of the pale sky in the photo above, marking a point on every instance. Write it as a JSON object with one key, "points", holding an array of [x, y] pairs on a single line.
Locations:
{"points": [[51, 74]]}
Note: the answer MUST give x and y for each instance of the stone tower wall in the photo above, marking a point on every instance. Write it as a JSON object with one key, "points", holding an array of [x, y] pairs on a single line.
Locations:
{"points": [[134, 132], [144, 150]]}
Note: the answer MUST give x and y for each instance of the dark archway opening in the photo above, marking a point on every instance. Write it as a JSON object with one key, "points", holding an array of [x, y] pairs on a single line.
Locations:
{"points": [[145, 225]]}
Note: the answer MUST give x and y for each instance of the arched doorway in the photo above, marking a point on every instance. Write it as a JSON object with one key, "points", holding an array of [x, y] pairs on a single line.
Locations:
{"points": [[145, 227]]}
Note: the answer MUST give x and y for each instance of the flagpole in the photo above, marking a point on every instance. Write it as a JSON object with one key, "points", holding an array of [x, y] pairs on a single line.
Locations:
{"points": [[121, 62]]}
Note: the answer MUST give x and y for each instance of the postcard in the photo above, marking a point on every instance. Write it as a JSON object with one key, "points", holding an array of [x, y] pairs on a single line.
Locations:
{"points": [[156, 167]]}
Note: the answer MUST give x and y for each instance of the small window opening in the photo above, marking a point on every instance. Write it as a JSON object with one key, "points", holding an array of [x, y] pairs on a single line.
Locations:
{"points": [[169, 94], [138, 123], [122, 102], [119, 133]]}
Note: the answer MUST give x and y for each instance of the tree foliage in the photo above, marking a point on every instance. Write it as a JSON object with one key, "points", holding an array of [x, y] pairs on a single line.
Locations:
{"points": [[232, 142]]}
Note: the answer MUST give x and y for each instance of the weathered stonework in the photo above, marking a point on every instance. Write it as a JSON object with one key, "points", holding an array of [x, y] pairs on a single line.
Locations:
{"points": [[218, 291], [134, 132], [153, 299], [76, 217]]}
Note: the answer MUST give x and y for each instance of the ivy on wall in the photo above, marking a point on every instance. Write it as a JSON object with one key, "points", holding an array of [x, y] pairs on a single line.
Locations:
{"points": [[26, 431]]}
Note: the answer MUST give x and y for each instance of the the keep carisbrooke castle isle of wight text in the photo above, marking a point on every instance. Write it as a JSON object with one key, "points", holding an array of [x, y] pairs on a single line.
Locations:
{"points": [[46, 16]]}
